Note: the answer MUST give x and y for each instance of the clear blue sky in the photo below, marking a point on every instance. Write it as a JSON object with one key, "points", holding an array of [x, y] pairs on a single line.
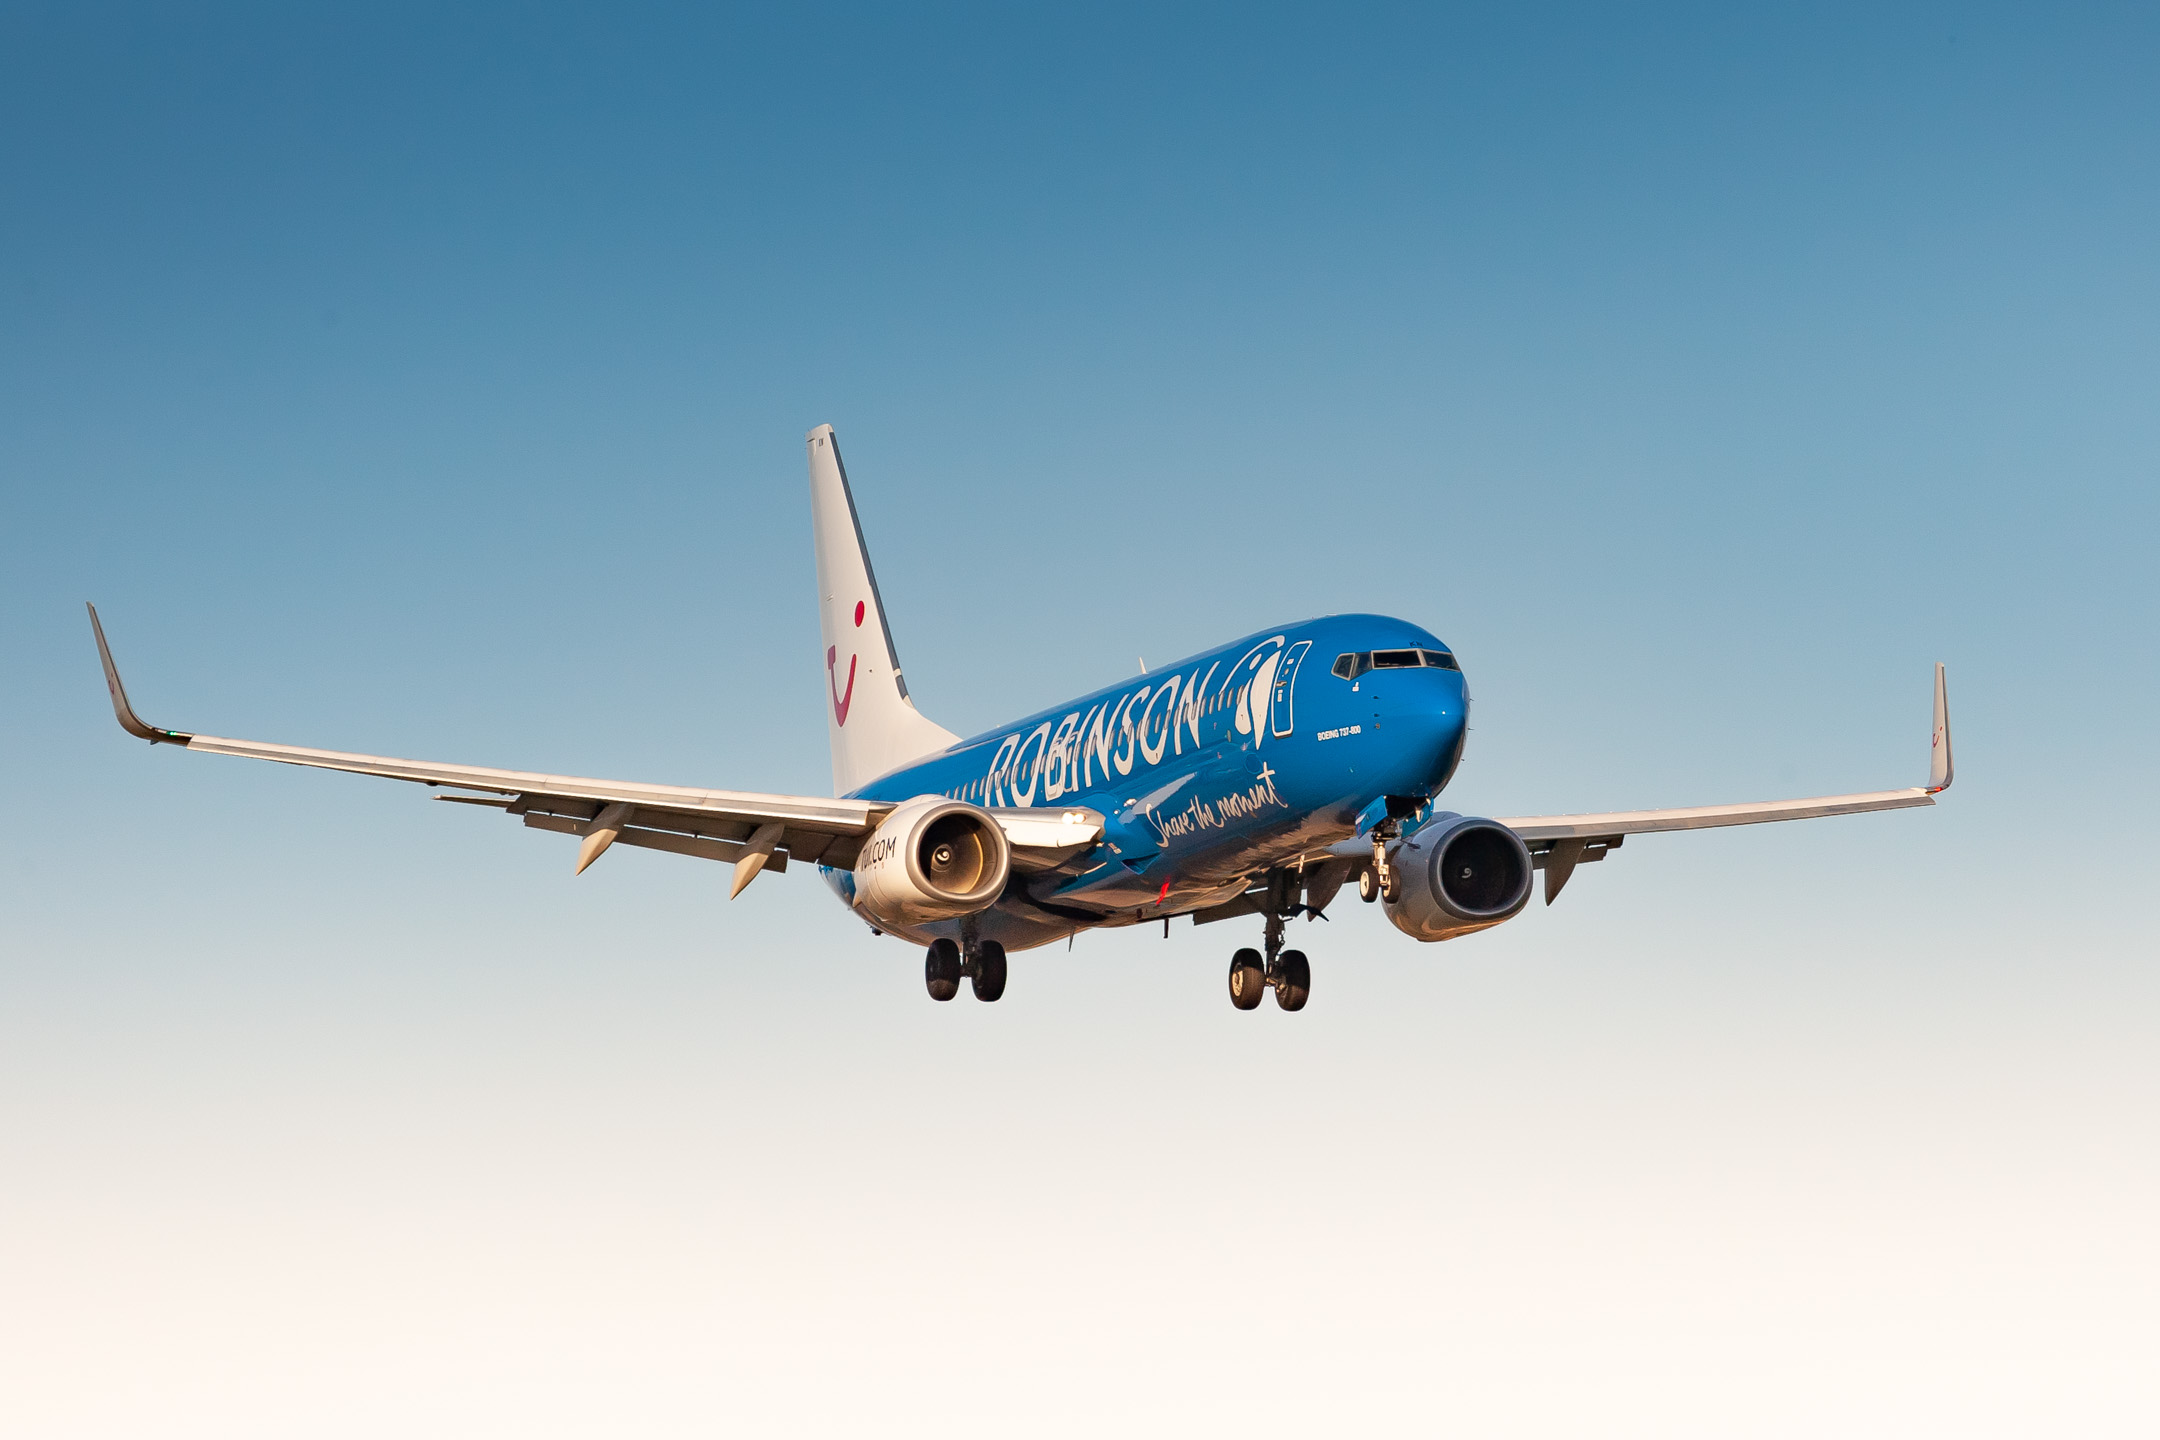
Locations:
{"points": [[435, 384]]}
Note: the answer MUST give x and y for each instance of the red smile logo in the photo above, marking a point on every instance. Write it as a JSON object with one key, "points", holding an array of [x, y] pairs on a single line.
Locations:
{"points": [[840, 702]]}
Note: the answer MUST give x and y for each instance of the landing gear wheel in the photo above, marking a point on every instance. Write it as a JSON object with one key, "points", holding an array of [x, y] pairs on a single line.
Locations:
{"points": [[989, 976], [941, 970], [1368, 885], [1248, 979], [1392, 891], [1293, 980]]}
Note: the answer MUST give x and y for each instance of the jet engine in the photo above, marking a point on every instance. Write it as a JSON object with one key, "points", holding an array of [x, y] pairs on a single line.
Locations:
{"points": [[1458, 876], [931, 859]]}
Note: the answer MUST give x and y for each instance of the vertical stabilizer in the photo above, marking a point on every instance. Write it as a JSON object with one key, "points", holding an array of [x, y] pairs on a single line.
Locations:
{"points": [[872, 724]]}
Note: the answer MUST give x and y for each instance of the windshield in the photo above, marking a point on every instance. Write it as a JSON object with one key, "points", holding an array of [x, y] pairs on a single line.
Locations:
{"points": [[1354, 663]]}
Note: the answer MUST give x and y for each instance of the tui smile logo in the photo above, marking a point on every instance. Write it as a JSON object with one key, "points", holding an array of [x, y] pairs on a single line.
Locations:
{"points": [[842, 700]]}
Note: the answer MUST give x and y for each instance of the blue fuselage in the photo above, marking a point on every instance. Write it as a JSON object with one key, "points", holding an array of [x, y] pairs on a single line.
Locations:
{"points": [[1208, 772]]}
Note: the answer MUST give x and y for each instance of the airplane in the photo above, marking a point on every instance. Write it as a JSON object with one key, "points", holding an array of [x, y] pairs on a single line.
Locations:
{"points": [[1253, 780]]}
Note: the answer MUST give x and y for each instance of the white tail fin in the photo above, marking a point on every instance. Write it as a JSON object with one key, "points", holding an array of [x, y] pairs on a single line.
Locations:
{"points": [[873, 725]]}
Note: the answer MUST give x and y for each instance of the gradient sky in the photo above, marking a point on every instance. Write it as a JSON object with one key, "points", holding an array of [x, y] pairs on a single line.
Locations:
{"points": [[434, 384]]}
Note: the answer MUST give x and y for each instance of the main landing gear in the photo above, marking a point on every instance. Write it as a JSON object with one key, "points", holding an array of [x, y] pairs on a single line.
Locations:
{"points": [[1286, 972], [983, 964]]}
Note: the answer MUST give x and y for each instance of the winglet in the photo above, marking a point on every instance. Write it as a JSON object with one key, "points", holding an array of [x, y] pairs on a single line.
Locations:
{"points": [[122, 711], [1940, 770]]}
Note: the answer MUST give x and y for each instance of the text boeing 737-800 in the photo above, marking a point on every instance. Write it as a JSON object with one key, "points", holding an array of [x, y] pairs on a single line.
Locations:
{"points": [[1255, 779]]}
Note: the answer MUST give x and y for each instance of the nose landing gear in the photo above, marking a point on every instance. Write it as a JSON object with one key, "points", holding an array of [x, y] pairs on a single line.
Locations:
{"points": [[1380, 882]]}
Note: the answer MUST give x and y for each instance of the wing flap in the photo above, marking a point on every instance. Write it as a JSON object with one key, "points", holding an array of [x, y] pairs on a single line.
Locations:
{"points": [[705, 835], [1046, 839], [725, 851]]}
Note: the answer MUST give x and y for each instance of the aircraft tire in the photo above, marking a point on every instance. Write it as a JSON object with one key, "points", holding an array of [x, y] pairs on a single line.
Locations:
{"points": [[941, 970], [1392, 891], [989, 976], [1293, 983], [1248, 980], [1368, 885]]}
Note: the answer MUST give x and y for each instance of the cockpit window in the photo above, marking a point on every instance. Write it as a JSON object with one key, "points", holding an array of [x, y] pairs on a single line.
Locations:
{"points": [[1356, 663]]}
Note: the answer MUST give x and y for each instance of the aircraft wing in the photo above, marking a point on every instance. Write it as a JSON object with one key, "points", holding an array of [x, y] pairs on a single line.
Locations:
{"points": [[1558, 843], [1537, 828], [754, 832]]}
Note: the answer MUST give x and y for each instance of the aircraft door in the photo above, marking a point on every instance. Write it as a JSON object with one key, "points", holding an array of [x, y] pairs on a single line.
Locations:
{"points": [[1279, 708]]}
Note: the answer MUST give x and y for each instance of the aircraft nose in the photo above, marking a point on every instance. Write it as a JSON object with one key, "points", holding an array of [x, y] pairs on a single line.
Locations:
{"points": [[1441, 723]]}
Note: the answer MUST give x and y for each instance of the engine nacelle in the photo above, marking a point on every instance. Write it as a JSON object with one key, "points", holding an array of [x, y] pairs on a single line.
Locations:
{"points": [[931, 859], [1458, 876]]}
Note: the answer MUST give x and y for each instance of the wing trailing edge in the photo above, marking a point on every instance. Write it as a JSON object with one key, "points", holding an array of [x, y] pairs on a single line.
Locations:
{"points": [[750, 830], [1558, 843]]}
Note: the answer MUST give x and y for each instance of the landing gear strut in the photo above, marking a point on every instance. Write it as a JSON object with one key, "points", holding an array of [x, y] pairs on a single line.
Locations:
{"points": [[1380, 882], [1286, 972]]}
